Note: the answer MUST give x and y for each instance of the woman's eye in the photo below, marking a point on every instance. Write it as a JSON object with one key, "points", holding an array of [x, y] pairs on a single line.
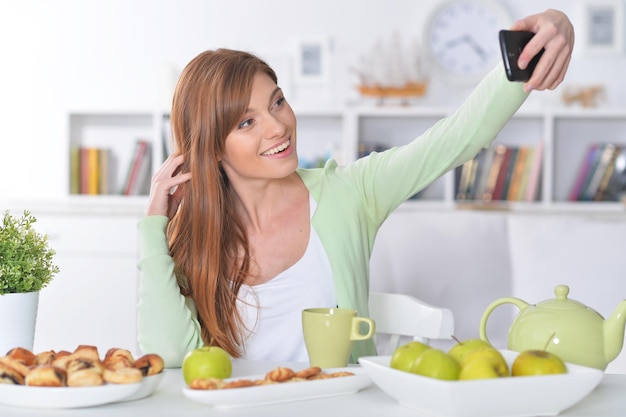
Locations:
{"points": [[245, 123], [279, 102]]}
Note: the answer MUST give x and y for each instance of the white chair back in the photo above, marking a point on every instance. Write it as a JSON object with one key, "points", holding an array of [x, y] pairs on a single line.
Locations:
{"points": [[399, 316]]}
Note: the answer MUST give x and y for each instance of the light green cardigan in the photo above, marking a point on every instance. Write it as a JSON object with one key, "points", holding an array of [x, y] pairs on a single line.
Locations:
{"points": [[352, 203]]}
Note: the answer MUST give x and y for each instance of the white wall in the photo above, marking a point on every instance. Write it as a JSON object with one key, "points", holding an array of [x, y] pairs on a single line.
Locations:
{"points": [[76, 55]]}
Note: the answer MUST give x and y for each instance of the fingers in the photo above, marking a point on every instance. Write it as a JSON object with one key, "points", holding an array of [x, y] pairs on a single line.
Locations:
{"points": [[554, 33], [168, 177]]}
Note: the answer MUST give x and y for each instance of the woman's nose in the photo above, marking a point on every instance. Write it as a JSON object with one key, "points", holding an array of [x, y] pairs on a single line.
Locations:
{"points": [[274, 127]]}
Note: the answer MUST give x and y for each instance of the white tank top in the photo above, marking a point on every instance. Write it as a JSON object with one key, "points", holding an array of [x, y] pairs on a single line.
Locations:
{"points": [[272, 311]]}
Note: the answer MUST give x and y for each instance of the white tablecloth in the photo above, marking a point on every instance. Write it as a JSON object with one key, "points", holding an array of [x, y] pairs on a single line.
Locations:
{"points": [[608, 400]]}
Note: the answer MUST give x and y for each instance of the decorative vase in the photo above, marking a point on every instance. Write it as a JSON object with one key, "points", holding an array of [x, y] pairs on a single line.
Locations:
{"points": [[18, 317]]}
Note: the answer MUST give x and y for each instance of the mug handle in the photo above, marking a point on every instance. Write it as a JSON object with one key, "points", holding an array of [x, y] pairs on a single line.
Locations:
{"points": [[356, 328]]}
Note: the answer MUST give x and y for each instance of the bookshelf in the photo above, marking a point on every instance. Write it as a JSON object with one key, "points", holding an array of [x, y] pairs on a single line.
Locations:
{"points": [[116, 135], [345, 132]]}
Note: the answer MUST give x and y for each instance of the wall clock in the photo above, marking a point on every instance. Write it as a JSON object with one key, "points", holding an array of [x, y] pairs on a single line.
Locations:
{"points": [[461, 38]]}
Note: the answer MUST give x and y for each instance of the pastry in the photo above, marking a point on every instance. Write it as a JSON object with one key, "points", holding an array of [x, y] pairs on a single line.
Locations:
{"points": [[308, 372], [280, 374], [15, 365], [149, 364], [22, 355], [79, 364], [45, 358], [122, 376], [85, 378], [61, 359], [46, 376], [206, 383], [238, 383], [319, 376], [87, 352], [9, 375], [116, 358]]}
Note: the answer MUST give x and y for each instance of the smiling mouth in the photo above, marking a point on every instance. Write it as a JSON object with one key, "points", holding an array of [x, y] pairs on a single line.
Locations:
{"points": [[277, 149]]}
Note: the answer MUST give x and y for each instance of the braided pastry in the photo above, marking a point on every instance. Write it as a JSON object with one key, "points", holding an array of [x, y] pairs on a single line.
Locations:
{"points": [[280, 374]]}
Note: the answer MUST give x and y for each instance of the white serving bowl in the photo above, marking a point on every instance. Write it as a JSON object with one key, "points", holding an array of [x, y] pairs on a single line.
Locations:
{"points": [[501, 397]]}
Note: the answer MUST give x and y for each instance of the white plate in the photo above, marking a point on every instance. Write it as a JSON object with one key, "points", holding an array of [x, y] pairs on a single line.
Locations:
{"points": [[64, 397], [501, 397], [148, 385], [281, 393]]}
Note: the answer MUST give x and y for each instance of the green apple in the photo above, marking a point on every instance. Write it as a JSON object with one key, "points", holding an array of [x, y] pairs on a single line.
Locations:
{"points": [[406, 354], [436, 363], [461, 349], [537, 362], [207, 362], [482, 364]]}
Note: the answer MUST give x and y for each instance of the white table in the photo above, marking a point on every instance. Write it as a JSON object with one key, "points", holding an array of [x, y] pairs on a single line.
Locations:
{"points": [[608, 400]]}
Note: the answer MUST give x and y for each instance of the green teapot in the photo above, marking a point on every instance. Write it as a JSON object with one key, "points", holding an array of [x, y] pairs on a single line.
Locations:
{"points": [[568, 328]]}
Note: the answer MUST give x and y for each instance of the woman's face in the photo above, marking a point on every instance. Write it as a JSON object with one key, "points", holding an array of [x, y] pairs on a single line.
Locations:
{"points": [[263, 144]]}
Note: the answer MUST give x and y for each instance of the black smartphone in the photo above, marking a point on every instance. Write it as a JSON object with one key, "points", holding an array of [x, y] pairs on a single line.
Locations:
{"points": [[512, 42]]}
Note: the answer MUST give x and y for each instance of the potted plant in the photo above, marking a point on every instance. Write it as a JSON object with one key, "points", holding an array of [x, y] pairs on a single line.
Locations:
{"points": [[26, 267]]}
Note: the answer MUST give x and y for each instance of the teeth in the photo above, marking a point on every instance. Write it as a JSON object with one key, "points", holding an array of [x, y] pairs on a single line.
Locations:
{"points": [[277, 149]]}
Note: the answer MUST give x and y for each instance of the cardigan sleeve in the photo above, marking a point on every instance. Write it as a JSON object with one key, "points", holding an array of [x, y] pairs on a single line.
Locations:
{"points": [[167, 321], [390, 177]]}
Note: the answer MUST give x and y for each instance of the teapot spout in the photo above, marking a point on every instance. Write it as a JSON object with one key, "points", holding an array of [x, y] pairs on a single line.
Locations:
{"points": [[614, 332]]}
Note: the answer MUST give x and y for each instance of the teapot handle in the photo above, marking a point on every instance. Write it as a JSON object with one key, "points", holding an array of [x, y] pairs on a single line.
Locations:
{"points": [[521, 304]]}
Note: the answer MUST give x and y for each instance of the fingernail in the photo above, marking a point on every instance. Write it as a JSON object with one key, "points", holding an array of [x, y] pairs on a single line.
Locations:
{"points": [[528, 88], [522, 63]]}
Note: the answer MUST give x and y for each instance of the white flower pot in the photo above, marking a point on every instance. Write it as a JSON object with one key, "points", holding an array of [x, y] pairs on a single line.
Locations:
{"points": [[18, 316]]}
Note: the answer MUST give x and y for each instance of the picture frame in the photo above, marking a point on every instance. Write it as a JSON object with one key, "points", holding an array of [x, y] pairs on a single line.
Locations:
{"points": [[603, 27], [312, 61]]}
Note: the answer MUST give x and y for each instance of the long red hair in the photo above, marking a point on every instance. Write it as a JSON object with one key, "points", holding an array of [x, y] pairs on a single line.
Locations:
{"points": [[206, 238]]}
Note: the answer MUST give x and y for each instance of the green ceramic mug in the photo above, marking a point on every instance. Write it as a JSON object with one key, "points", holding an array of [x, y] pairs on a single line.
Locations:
{"points": [[329, 333]]}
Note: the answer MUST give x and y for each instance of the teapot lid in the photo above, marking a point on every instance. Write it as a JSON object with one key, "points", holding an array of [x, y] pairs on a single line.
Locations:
{"points": [[561, 302]]}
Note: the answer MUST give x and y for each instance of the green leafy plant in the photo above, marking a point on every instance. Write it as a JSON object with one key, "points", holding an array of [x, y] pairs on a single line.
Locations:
{"points": [[26, 260]]}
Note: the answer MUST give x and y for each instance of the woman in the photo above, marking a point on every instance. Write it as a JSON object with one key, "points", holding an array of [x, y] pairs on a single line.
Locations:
{"points": [[237, 240]]}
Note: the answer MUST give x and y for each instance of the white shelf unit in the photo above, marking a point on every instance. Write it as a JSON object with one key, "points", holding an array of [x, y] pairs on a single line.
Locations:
{"points": [[339, 132], [573, 133], [117, 132]]}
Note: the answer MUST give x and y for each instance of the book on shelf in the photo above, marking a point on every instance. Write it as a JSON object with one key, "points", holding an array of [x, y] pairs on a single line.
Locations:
{"points": [[600, 176], [617, 181], [501, 178], [510, 170], [139, 169], [482, 173], [606, 175], [104, 170], [474, 173], [93, 168], [516, 174], [531, 193], [586, 172], [600, 165], [75, 170], [467, 170], [90, 170], [501, 173], [494, 170], [525, 174]]}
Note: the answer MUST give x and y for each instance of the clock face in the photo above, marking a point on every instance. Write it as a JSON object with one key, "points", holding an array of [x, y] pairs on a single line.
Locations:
{"points": [[462, 37]]}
